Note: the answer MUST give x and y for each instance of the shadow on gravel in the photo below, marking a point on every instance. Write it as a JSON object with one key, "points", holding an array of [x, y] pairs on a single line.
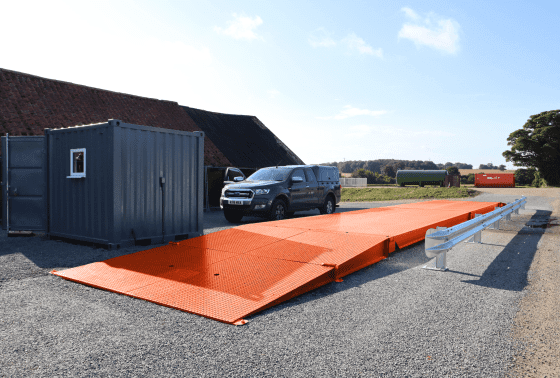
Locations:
{"points": [[510, 268], [28, 257]]}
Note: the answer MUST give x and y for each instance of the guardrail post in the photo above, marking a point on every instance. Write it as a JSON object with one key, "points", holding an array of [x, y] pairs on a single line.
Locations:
{"points": [[496, 224], [476, 238], [440, 261]]}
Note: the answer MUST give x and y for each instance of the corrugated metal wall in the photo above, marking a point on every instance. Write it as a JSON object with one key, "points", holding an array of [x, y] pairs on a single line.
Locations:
{"points": [[81, 207], [120, 199]]}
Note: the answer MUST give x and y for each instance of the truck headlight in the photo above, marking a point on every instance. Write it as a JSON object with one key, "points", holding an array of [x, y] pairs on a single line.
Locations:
{"points": [[262, 191]]}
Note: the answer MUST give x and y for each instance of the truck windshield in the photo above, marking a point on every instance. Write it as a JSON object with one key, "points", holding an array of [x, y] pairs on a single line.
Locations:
{"points": [[270, 174]]}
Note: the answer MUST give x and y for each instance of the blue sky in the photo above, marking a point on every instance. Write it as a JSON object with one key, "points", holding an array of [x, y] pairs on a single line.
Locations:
{"points": [[353, 80]]}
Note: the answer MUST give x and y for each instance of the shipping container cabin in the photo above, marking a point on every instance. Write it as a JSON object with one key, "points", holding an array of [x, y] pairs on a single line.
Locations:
{"points": [[421, 177], [111, 183], [494, 180]]}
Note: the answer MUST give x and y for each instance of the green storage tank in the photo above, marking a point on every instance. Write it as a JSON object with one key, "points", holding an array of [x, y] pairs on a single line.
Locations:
{"points": [[420, 177]]}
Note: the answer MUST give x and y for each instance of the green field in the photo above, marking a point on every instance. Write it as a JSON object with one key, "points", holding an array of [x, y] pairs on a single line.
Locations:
{"points": [[397, 193]]}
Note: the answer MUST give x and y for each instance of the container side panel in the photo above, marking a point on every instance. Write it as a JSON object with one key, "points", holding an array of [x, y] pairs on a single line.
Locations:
{"points": [[79, 207], [139, 184]]}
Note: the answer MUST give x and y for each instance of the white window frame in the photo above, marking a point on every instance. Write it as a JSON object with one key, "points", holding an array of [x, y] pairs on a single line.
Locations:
{"points": [[77, 174]]}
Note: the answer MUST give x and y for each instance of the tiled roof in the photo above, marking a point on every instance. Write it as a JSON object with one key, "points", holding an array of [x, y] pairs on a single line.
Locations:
{"points": [[243, 139], [29, 104]]}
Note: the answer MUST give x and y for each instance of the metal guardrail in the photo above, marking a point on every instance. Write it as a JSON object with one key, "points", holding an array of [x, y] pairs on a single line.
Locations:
{"points": [[440, 240]]}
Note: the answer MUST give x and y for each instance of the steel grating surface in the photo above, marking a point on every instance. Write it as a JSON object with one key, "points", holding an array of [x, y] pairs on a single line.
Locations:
{"points": [[231, 274]]}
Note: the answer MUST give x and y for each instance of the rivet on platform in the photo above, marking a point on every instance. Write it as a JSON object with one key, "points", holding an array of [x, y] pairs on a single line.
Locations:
{"points": [[240, 322]]}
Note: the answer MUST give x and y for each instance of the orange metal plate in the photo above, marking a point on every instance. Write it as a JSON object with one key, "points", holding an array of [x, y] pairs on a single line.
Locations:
{"points": [[471, 206], [348, 251], [230, 274], [230, 288], [240, 239], [406, 226]]}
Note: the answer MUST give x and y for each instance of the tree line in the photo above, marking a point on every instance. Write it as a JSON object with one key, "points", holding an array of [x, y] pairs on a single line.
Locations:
{"points": [[378, 166], [523, 176]]}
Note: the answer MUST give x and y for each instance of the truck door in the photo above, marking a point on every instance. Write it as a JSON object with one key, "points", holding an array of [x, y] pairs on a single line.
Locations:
{"points": [[24, 183], [314, 194], [231, 174], [299, 190]]}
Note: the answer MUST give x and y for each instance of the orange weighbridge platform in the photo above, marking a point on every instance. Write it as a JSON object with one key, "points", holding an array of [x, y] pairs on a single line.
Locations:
{"points": [[231, 274]]}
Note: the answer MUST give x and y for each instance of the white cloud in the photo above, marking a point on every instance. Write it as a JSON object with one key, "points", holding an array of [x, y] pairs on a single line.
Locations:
{"points": [[356, 43], [432, 31], [410, 13], [242, 27], [350, 111], [273, 93], [321, 38]]}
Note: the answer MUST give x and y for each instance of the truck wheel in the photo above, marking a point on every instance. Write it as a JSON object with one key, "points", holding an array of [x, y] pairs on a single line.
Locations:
{"points": [[233, 216], [277, 210], [328, 207]]}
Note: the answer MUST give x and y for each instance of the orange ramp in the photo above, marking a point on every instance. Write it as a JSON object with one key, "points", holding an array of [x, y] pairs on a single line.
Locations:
{"points": [[403, 226], [231, 274]]}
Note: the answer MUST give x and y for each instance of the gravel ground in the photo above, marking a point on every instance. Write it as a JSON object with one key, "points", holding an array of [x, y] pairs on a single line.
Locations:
{"points": [[392, 319]]}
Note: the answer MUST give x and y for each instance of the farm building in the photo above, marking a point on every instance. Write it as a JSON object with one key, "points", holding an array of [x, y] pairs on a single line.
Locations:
{"points": [[30, 104]]}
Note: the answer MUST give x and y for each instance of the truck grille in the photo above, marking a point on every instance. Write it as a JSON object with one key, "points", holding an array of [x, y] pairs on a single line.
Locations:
{"points": [[239, 194]]}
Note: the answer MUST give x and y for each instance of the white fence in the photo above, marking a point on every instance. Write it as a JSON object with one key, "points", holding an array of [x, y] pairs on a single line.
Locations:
{"points": [[441, 240], [353, 182]]}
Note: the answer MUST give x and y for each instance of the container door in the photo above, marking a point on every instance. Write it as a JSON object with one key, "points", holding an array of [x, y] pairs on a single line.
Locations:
{"points": [[23, 184]]}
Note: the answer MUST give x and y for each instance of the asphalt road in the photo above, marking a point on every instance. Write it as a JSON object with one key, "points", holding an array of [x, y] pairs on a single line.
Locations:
{"points": [[392, 319]]}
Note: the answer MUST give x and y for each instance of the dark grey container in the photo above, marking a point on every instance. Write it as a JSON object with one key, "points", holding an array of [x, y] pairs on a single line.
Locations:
{"points": [[141, 184]]}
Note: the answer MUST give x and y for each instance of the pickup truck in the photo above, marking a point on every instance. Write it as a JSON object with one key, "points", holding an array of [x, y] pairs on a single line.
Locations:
{"points": [[278, 192]]}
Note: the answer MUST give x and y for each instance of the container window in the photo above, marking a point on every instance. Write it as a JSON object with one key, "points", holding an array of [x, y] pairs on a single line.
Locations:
{"points": [[77, 163]]}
